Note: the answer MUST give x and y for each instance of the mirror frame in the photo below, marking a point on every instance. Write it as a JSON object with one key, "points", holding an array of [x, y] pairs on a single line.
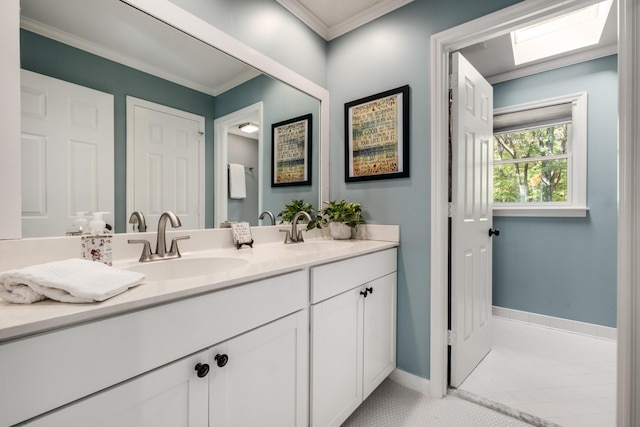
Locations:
{"points": [[169, 13], [184, 21]]}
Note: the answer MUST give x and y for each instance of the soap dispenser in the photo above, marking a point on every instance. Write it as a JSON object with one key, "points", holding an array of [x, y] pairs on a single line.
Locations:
{"points": [[97, 245], [80, 225], [97, 224]]}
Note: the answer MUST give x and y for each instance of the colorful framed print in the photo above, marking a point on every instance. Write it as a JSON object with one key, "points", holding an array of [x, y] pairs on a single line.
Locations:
{"points": [[377, 136], [291, 152]]}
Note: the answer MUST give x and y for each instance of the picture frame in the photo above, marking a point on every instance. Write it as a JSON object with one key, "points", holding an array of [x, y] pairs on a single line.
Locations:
{"points": [[377, 136], [291, 143]]}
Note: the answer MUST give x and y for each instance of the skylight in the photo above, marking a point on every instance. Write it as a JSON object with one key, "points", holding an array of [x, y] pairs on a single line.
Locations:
{"points": [[562, 34]]}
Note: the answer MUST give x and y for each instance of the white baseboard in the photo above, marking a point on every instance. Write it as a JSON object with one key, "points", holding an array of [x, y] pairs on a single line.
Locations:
{"points": [[411, 381], [582, 328]]}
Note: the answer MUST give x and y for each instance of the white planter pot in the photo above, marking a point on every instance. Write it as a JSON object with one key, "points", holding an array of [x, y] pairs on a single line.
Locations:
{"points": [[339, 230]]}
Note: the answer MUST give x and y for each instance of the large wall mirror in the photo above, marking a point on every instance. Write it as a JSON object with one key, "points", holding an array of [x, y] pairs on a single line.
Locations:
{"points": [[170, 76]]}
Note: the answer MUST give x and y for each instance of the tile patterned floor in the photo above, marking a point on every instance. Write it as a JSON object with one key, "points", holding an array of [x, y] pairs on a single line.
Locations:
{"points": [[392, 405], [562, 377]]}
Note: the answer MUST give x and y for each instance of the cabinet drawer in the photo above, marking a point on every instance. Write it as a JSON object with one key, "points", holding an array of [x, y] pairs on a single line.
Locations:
{"points": [[332, 279], [46, 371]]}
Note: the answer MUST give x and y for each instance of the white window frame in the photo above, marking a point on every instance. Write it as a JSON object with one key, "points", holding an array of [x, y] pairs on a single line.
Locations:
{"points": [[576, 206]]}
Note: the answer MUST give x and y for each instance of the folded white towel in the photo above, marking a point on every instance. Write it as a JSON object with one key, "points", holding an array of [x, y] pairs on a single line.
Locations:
{"points": [[72, 280], [237, 186]]}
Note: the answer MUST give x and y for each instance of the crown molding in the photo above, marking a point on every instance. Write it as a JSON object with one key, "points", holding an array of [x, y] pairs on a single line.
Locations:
{"points": [[349, 24], [112, 55]]}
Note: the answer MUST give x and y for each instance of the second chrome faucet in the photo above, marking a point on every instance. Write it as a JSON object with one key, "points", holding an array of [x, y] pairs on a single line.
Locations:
{"points": [[161, 239]]}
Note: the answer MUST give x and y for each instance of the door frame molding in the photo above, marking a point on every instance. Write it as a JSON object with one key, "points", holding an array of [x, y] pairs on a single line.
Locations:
{"points": [[501, 22], [133, 102], [221, 155]]}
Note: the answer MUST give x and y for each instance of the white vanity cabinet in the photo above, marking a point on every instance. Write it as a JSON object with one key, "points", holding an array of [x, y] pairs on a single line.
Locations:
{"points": [[252, 379], [353, 333], [263, 380], [172, 395], [139, 369]]}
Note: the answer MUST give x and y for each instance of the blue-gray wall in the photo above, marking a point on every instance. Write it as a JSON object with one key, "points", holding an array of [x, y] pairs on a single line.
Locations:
{"points": [[389, 52], [270, 29], [566, 267], [280, 102], [45, 56]]}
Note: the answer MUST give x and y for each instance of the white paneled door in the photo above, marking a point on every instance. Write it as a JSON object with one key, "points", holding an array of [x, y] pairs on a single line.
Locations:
{"points": [[471, 218], [168, 153], [67, 153]]}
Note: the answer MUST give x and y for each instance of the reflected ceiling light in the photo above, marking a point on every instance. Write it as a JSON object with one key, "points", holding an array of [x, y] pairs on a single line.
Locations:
{"points": [[248, 127], [565, 33]]}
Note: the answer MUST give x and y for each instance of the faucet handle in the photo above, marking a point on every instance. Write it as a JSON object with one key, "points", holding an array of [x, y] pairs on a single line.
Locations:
{"points": [[287, 238], [299, 237], [146, 249], [174, 245]]}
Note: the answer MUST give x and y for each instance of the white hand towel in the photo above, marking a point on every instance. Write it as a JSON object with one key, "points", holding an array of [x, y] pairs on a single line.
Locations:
{"points": [[72, 280], [237, 187]]}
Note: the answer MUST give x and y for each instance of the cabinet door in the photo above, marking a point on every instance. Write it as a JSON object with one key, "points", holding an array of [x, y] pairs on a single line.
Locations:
{"points": [[336, 358], [171, 396], [379, 332], [264, 381]]}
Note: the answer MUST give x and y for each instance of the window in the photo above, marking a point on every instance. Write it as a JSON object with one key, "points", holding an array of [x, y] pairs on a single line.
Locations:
{"points": [[540, 151]]}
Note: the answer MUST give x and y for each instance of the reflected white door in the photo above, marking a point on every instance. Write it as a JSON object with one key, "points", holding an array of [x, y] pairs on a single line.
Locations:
{"points": [[168, 161], [67, 153], [471, 249]]}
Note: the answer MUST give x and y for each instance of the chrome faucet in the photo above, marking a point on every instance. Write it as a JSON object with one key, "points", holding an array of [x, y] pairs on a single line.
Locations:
{"points": [[270, 215], [137, 217], [161, 240], [296, 235]]}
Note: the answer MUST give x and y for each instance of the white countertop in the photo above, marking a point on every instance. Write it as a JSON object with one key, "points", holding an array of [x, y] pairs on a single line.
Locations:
{"points": [[264, 260]]}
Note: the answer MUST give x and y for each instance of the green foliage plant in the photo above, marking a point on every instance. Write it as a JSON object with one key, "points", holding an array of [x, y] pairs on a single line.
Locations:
{"points": [[293, 207], [349, 213]]}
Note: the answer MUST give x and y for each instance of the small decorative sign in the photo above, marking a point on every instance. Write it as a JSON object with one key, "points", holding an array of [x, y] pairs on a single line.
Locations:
{"points": [[97, 248], [241, 234]]}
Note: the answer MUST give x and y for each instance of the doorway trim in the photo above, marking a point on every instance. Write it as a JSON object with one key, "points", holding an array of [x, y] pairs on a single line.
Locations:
{"points": [[481, 29], [221, 155]]}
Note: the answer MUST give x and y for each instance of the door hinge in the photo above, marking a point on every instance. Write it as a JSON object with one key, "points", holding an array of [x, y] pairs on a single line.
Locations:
{"points": [[453, 80], [451, 337], [450, 210]]}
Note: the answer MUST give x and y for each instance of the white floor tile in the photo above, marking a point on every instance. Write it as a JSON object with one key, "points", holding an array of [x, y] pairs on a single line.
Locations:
{"points": [[562, 377]]}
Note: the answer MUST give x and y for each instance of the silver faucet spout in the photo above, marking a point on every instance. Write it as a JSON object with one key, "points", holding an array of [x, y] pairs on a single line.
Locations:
{"points": [[270, 215], [296, 236], [161, 242], [137, 217]]}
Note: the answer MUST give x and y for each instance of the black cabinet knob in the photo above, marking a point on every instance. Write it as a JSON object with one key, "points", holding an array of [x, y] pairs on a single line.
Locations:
{"points": [[495, 232], [364, 293], [370, 290], [202, 370], [221, 359]]}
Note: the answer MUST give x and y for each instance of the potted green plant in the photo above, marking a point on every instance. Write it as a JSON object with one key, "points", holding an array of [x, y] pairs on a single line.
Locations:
{"points": [[293, 207], [341, 217]]}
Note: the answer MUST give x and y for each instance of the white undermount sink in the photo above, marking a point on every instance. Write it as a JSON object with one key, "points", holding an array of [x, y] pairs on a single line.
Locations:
{"points": [[182, 268], [320, 245]]}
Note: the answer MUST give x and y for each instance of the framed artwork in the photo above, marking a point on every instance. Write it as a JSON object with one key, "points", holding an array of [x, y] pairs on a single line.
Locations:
{"points": [[377, 136], [291, 152]]}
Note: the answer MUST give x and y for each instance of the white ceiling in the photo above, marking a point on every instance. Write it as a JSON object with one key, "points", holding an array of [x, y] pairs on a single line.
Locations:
{"points": [[333, 18], [108, 27], [494, 58]]}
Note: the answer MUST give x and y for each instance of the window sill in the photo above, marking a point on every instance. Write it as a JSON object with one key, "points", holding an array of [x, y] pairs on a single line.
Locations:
{"points": [[542, 211]]}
